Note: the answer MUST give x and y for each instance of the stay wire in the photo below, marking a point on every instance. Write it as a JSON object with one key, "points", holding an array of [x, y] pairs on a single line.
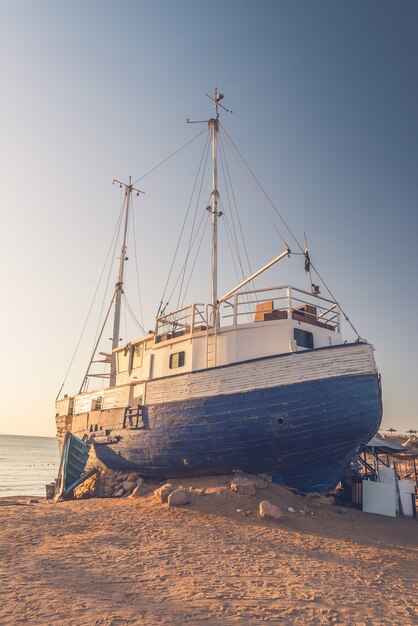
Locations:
{"points": [[193, 225], [91, 305], [171, 156], [132, 314], [347, 319], [111, 268], [137, 269], [251, 188], [182, 228], [235, 206], [196, 256], [192, 246]]}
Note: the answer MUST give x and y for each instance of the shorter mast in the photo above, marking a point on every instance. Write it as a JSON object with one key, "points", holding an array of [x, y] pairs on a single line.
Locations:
{"points": [[119, 284]]}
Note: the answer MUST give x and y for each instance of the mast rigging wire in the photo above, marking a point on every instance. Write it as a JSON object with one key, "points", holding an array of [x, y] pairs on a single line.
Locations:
{"points": [[193, 225], [113, 255], [347, 319], [205, 147], [137, 269], [92, 302], [132, 314], [171, 156]]}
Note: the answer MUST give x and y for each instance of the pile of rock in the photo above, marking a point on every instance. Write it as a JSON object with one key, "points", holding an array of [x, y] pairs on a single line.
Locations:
{"points": [[109, 483]]}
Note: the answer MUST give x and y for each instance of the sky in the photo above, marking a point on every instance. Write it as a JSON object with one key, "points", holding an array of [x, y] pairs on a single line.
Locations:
{"points": [[324, 97]]}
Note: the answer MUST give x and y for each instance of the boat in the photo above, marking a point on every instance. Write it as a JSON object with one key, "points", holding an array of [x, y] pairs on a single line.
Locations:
{"points": [[258, 380]]}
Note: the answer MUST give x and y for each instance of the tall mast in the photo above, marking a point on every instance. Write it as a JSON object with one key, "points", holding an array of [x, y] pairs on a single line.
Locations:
{"points": [[214, 126], [119, 284]]}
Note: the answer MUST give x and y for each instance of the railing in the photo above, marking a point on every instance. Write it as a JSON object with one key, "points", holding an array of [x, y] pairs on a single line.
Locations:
{"points": [[276, 303], [185, 321], [246, 307]]}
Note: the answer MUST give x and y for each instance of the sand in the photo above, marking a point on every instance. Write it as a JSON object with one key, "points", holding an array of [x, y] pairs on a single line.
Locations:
{"points": [[113, 562]]}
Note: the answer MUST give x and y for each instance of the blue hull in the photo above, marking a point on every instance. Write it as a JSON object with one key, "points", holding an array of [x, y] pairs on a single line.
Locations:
{"points": [[302, 434]]}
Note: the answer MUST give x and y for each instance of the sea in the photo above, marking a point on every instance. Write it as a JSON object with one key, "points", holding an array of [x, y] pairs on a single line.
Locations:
{"points": [[27, 464]]}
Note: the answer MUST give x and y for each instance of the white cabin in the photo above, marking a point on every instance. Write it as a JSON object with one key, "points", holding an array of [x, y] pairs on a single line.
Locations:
{"points": [[251, 325]]}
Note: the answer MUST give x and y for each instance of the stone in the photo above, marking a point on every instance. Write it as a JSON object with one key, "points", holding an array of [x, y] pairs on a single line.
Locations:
{"points": [[119, 493], [267, 509], [243, 486], [139, 481], [178, 497], [137, 492], [33, 501], [128, 485], [163, 492], [291, 509]]}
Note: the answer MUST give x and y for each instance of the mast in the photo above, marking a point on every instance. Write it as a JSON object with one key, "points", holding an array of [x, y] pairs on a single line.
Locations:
{"points": [[119, 284], [214, 126]]}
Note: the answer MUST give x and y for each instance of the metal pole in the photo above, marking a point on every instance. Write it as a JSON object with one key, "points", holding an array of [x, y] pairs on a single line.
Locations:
{"points": [[119, 288], [214, 124]]}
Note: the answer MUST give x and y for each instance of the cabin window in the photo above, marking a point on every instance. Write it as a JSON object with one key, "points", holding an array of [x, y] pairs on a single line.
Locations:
{"points": [[303, 338], [137, 356], [123, 360], [177, 359]]}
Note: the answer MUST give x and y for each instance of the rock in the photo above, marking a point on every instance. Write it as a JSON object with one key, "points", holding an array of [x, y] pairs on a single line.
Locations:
{"points": [[291, 509], [270, 510], [163, 492], [243, 486], [139, 481], [137, 491], [119, 493], [128, 485], [178, 498], [33, 501]]}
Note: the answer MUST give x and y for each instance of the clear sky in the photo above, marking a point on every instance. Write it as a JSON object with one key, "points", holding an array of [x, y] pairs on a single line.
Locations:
{"points": [[325, 99]]}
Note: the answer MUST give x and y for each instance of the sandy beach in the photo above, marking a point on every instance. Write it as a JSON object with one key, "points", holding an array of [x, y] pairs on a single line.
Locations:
{"points": [[113, 562]]}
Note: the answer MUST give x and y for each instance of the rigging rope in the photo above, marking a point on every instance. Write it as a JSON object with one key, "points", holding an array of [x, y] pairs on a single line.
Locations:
{"points": [[113, 255], [193, 225], [132, 314], [290, 232], [192, 246], [196, 256], [205, 147], [92, 302], [137, 269], [251, 188], [171, 156]]}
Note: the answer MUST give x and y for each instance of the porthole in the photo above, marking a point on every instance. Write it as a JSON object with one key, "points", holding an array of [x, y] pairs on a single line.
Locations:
{"points": [[280, 421]]}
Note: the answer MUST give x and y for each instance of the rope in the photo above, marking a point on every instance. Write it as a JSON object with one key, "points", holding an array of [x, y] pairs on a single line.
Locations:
{"points": [[92, 303], [251, 188], [171, 156], [137, 269], [193, 225], [347, 319], [183, 226], [197, 254], [132, 314]]}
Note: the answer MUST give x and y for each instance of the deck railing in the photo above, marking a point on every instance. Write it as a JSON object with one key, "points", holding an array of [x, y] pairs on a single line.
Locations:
{"points": [[247, 307], [276, 303]]}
